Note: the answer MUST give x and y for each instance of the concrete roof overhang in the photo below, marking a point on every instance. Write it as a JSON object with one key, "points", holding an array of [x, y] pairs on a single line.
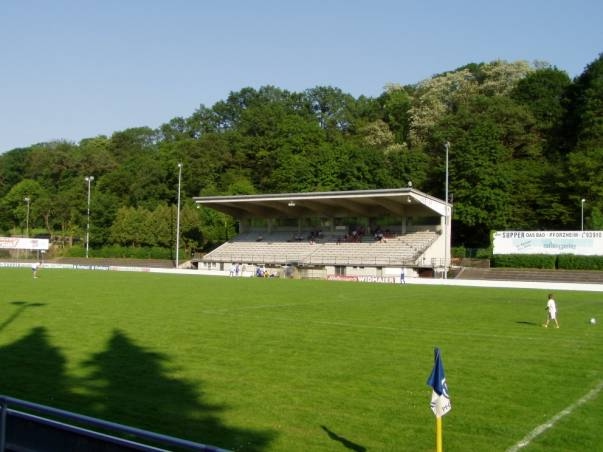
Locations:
{"points": [[335, 204]]}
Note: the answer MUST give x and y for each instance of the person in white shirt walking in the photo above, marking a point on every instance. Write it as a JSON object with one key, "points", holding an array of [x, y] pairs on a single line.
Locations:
{"points": [[34, 269], [551, 308]]}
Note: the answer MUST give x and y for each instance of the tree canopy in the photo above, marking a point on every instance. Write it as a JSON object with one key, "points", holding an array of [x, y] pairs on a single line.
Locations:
{"points": [[526, 146]]}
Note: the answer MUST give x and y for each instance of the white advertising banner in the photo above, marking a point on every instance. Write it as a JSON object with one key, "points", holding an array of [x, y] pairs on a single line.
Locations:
{"points": [[20, 243], [585, 243]]}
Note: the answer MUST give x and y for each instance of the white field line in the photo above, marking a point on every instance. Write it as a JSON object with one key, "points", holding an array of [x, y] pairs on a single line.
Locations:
{"points": [[552, 421]]}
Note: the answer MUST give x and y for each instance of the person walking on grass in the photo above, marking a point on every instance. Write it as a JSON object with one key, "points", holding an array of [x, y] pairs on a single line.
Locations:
{"points": [[34, 269], [551, 308]]}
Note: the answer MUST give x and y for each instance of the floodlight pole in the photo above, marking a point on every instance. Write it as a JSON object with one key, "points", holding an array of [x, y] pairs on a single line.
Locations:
{"points": [[447, 146], [89, 180], [582, 201], [27, 199], [178, 215]]}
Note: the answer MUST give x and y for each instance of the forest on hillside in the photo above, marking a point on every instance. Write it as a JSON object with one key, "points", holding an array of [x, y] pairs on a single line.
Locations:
{"points": [[526, 147]]}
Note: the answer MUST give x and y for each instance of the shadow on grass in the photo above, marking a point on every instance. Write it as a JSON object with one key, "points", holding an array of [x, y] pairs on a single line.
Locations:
{"points": [[127, 384], [34, 370], [344, 441], [523, 322], [130, 385], [21, 307]]}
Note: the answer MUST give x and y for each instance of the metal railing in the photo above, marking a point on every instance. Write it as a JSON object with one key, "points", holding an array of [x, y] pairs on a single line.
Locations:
{"points": [[43, 418]]}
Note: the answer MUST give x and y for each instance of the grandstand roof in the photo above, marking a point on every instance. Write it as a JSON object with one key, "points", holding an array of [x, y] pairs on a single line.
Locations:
{"points": [[358, 203]]}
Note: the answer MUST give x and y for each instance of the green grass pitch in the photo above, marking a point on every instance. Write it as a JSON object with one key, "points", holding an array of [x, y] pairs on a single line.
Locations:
{"points": [[288, 365]]}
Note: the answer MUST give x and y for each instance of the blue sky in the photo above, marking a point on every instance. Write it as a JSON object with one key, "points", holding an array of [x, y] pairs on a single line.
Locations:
{"points": [[73, 69]]}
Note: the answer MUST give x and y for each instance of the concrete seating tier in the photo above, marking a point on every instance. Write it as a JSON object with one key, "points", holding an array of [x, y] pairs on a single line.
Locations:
{"points": [[259, 252], [282, 248]]}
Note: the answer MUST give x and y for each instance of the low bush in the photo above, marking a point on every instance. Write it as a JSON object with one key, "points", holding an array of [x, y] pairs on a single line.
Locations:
{"points": [[573, 262], [524, 260], [118, 251], [458, 251]]}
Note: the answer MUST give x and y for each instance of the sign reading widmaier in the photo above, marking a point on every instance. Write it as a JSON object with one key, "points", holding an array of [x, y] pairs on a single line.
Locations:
{"points": [[586, 243], [20, 243]]}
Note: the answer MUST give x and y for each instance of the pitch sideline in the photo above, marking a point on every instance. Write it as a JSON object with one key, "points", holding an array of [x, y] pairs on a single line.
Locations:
{"points": [[551, 422]]}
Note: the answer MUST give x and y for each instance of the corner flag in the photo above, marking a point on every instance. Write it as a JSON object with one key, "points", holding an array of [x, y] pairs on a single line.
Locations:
{"points": [[440, 402]]}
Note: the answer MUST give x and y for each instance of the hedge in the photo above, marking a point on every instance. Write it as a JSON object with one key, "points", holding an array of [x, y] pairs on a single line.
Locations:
{"points": [[561, 261], [117, 251], [573, 262], [524, 260]]}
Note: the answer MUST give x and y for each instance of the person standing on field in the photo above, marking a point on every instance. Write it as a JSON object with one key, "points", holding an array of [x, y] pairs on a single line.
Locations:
{"points": [[551, 308]]}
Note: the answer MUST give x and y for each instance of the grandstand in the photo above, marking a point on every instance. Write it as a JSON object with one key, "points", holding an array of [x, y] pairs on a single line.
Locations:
{"points": [[317, 235], [330, 250]]}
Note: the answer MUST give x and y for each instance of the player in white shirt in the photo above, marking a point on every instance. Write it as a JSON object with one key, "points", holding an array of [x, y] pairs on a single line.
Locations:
{"points": [[551, 307]]}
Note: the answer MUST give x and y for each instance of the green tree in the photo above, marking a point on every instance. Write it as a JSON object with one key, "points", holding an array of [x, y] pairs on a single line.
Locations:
{"points": [[405, 165], [142, 181], [216, 227], [526, 148], [103, 210], [497, 171], [377, 135], [263, 129], [191, 227], [396, 103], [203, 161], [203, 120], [21, 205], [131, 227], [584, 122], [64, 211], [12, 168], [332, 108], [445, 93], [585, 180], [161, 226], [175, 130], [585, 115], [499, 78], [435, 98], [294, 173], [130, 143], [94, 158], [52, 164], [237, 182], [543, 92]]}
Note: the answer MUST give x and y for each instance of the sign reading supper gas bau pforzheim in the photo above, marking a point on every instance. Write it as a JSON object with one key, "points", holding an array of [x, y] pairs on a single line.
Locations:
{"points": [[587, 243]]}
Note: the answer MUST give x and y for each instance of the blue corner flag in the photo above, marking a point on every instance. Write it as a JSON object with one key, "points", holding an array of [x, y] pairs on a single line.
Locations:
{"points": [[440, 401]]}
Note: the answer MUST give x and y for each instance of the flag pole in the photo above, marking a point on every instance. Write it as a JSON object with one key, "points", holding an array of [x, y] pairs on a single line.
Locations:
{"points": [[440, 400], [439, 434]]}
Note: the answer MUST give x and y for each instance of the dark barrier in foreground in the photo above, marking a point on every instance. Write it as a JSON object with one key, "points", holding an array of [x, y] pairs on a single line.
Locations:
{"points": [[38, 429]]}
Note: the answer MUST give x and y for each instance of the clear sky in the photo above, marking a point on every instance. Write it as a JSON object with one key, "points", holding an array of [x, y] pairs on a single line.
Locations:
{"points": [[73, 69]]}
